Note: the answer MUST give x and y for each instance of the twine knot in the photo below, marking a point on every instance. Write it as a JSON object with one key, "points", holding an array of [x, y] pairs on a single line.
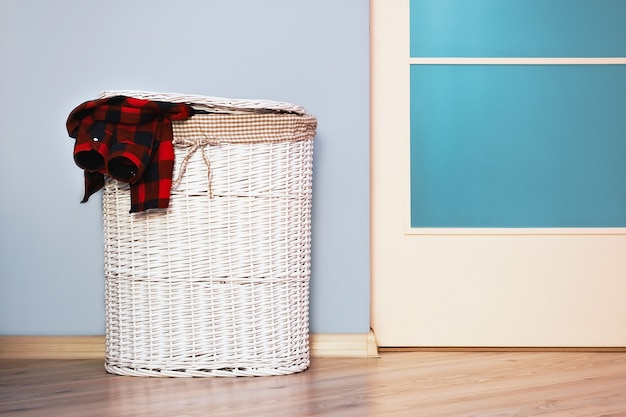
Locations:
{"points": [[193, 145]]}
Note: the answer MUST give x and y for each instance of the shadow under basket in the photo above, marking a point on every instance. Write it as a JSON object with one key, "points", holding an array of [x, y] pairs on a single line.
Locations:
{"points": [[218, 283]]}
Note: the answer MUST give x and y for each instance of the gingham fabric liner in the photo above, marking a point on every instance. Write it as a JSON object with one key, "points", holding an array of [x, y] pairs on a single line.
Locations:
{"points": [[249, 128], [216, 285]]}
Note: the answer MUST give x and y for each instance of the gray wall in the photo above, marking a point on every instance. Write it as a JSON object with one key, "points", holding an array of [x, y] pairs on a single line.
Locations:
{"points": [[56, 54]]}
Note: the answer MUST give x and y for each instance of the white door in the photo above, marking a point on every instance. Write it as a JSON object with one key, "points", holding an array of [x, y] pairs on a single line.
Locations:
{"points": [[477, 286]]}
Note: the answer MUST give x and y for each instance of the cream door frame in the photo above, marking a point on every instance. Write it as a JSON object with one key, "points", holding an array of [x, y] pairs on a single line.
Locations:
{"points": [[474, 288]]}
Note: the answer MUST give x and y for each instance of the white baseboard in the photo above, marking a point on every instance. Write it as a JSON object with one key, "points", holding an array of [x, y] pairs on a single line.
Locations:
{"points": [[359, 345]]}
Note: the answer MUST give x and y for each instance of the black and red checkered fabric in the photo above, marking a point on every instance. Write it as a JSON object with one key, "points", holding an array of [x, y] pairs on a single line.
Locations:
{"points": [[130, 140]]}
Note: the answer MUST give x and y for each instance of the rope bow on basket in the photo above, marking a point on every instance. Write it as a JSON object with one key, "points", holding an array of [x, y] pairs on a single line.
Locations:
{"points": [[194, 145]]}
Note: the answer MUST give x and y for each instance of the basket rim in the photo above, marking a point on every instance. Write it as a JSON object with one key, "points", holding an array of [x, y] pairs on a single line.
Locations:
{"points": [[211, 103]]}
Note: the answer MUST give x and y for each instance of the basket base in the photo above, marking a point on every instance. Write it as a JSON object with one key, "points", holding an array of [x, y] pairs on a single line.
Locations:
{"points": [[204, 373]]}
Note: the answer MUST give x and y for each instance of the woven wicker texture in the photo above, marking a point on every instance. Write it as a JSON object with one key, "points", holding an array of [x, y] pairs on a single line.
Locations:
{"points": [[217, 284]]}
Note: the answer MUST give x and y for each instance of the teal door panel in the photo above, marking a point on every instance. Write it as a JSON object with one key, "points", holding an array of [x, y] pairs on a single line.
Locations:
{"points": [[518, 28], [518, 146]]}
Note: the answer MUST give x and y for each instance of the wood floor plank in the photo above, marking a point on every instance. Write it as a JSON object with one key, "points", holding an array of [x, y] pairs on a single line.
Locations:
{"points": [[433, 384]]}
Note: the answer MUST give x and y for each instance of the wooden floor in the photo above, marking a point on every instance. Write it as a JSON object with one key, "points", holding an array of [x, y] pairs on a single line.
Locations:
{"points": [[397, 384]]}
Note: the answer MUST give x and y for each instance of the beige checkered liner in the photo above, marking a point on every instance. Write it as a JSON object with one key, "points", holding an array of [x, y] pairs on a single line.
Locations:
{"points": [[248, 128]]}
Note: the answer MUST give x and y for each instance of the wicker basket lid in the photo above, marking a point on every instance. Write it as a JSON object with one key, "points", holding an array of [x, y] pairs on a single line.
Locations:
{"points": [[212, 104]]}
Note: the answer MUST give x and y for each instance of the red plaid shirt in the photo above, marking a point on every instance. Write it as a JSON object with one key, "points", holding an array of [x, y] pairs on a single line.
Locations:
{"points": [[130, 140]]}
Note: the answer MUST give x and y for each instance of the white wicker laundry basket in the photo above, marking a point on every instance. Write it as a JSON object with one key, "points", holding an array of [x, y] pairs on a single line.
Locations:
{"points": [[218, 283]]}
